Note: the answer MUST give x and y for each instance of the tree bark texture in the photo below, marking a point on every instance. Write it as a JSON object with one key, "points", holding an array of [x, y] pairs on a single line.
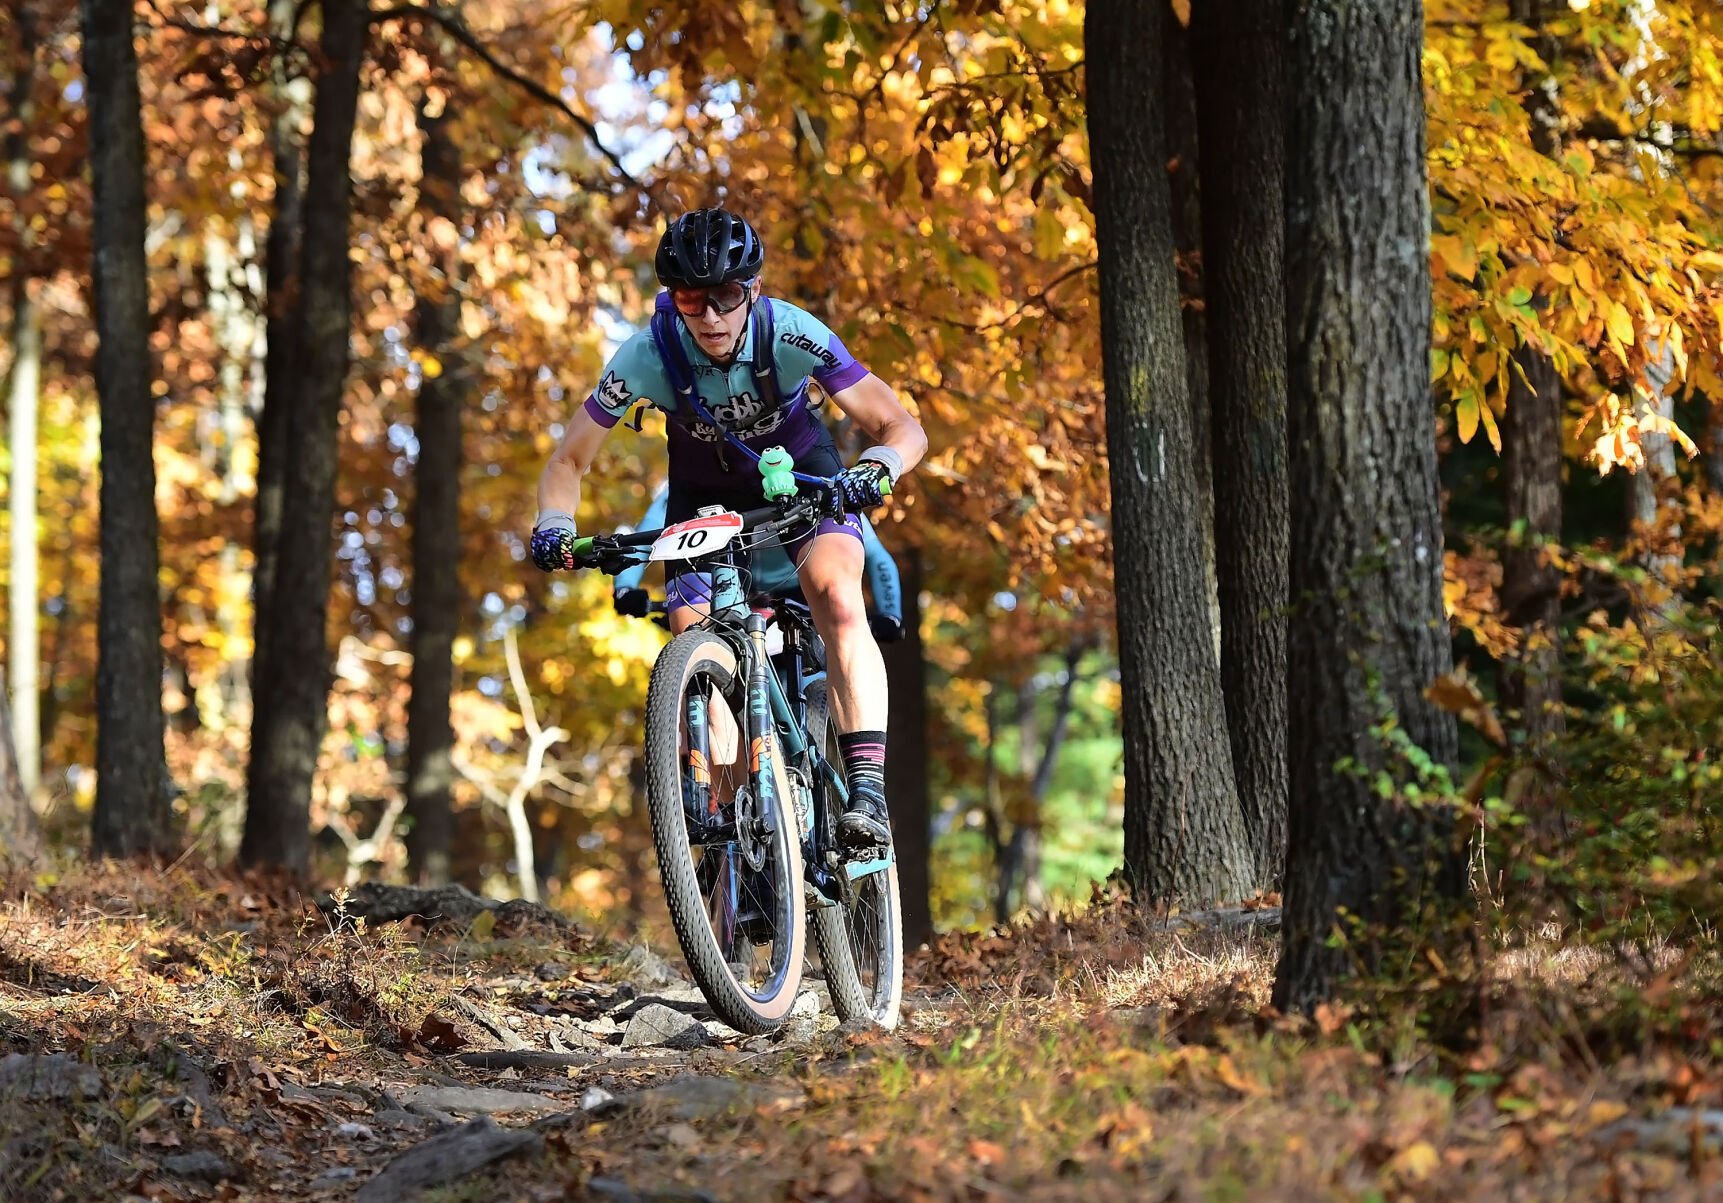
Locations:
{"points": [[1241, 72], [1184, 834], [292, 679], [1531, 585], [907, 771], [133, 813], [436, 517], [20, 838], [1367, 633], [1530, 683], [1184, 177], [23, 644], [281, 306]]}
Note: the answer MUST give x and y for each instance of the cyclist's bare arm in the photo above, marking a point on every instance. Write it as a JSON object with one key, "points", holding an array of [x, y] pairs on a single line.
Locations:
{"points": [[872, 405], [559, 484]]}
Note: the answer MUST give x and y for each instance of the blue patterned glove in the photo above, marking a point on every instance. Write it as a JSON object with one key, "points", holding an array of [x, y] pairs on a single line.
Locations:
{"points": [[553, 543], [865, 486]]}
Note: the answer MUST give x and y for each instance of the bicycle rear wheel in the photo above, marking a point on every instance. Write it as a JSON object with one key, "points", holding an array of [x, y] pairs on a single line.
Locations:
{"points": [[732, 873], [860, 943]]}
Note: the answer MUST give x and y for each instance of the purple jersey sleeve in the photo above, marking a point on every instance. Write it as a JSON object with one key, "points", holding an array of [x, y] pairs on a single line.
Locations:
{"points": [[807, 347]]}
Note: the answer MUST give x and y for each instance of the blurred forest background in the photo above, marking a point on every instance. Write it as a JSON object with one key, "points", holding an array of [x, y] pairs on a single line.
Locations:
{"points": [[922, 175]]}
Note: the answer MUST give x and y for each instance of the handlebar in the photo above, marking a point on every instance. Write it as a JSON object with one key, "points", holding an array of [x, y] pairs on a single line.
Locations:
{"points": [[612, 554]]}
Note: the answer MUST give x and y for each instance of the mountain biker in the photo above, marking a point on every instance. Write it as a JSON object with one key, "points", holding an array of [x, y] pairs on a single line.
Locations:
{"points": [[716, 361], [773, 573]]}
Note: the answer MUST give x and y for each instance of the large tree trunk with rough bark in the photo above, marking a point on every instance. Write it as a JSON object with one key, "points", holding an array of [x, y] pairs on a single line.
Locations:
{"points": [[1530, 681], [291, 682], [291, 98], [1367, 634], [1178, 89], [906, 774], [1184, 834], [436, 511], [1241, 71], [133, 813]]}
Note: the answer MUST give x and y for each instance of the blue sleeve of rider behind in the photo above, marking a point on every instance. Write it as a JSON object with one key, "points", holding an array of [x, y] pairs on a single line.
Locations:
{"points": [[630, 578], [882, 574]]}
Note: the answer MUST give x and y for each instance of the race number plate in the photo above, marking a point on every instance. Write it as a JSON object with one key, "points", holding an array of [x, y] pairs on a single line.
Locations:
{"points": [[697, 537]]}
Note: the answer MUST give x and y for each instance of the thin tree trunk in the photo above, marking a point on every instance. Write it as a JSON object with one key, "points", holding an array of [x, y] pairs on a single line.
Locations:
{"points": [[1367, 634], [292, 101], [1021, 858], [906, 777], [231, 269], [1530, 682], [436, 515], [1653, 510], [1184, 834], [132, 813], [23, 644], [290, 698], [1241, 71], [20, 838], [1714, 453]]}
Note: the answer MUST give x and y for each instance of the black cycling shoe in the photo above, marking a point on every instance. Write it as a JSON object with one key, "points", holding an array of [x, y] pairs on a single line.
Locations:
{"points": [[866, 824]]}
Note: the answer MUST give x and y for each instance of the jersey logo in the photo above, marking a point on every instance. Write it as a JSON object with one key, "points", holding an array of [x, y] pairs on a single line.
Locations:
{"points": [[743, 414], [803, 343], [612, 392]]}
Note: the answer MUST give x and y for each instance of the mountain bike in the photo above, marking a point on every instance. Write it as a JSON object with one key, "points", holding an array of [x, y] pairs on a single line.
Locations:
{"points": [[745, 784]]}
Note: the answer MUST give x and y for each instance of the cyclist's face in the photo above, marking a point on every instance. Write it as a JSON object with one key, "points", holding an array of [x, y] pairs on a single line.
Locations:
{"points": [[715, 315]]}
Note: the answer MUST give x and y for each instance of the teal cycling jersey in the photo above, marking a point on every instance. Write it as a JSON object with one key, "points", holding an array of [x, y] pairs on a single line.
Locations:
{"points": [[803, 349]]}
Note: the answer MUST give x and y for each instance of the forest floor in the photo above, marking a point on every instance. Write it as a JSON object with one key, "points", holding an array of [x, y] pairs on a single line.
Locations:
{"points": [[183, 1035]]}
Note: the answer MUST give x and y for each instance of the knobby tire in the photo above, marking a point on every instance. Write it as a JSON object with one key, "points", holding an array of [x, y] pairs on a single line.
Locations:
{"points": [[691, 656], [861, 946]]}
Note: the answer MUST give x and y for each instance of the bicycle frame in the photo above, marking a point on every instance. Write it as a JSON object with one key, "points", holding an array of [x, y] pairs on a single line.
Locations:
{"points": [[775, 699]]}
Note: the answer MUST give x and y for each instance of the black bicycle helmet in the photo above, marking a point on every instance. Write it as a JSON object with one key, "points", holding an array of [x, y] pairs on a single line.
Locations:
{"points": [[708, 247]]}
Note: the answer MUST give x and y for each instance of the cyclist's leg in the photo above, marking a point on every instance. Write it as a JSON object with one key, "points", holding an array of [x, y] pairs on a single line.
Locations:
{"points": [[830, 568]]}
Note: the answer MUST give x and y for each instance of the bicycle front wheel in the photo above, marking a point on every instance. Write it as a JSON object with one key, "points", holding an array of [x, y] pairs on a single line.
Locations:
{"points": [[732, 869], [861, 943]]}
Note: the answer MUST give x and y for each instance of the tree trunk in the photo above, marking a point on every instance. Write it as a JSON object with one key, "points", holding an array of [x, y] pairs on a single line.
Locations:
{"points": [[133, 813], [20, 838], [290, 696], [291, 98], [1020, 859], [1184, 834], [23, 644], [1241, 71], [906, 775], [1367, 634], [1714, 453], [436, 516], [1530, 683], [1653, 510], [1184, 178], [232, 270]]}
